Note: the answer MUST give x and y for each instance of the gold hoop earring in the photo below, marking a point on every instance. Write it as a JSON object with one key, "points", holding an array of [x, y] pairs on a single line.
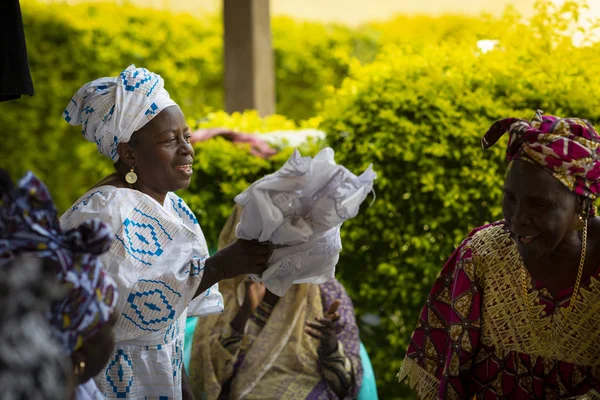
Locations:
{"points": [[579, 224], [131, 176], [79, 368]]}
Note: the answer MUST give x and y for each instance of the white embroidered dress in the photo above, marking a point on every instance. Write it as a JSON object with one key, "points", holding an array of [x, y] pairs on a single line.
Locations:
{"points": [[157, 259]]}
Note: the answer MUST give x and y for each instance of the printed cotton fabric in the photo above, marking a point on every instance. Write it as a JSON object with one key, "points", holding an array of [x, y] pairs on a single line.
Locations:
{"points": [[569, 148], [476, 338], [157, 260]]}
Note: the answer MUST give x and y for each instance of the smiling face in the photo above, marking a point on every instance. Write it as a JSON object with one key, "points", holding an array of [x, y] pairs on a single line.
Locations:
{"points": [[161, 152], [539, 210]]}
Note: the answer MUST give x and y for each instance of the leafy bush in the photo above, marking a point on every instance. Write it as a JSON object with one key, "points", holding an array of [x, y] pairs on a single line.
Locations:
{"points": [[71, 45], [418, 114], [222, 170]]}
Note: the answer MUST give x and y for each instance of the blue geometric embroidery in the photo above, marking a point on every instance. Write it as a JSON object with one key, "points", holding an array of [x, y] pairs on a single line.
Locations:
{"points": [[109, 115], [87, 109], [131, 88], [181, 206], [113, 148], [152, 305], [152, 109], [144, 236], [172, 332], [119, 375], [152, 88], [85, 201], [196, 266], [175, 208], [177, 360], [66, 113], [157, 221]]}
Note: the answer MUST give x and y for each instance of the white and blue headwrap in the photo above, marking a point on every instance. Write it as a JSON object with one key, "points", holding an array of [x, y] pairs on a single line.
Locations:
{"points": [[110, 110]]}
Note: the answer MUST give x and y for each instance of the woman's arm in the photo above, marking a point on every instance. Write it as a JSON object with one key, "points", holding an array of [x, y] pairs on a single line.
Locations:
{"points": [[339, 350], [239, 258]]}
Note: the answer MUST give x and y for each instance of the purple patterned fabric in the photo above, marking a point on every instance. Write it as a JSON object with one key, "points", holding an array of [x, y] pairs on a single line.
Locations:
{"points": [[348, 336], [29, 225]]}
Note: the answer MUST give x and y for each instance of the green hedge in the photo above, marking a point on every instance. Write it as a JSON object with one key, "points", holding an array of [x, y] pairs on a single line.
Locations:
{"points": [[222, 170], [418, 114], [71, 45]]}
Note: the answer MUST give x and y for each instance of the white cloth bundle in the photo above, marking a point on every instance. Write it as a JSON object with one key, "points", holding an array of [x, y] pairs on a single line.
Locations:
{"points": [[300, 208]]}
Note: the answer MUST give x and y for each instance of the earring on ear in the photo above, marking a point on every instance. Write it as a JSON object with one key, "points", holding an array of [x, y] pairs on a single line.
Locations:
{"points": [[579, 224], [131, 176], [79, 368]]}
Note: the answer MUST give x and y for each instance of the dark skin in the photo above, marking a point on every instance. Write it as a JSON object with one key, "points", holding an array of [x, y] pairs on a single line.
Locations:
{"points": [[540, 212], [95, 352], [322, 329], [162, 157]]}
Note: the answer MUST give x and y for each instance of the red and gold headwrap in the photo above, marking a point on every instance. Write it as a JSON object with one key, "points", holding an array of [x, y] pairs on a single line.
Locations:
{"points": [[569, 148]]}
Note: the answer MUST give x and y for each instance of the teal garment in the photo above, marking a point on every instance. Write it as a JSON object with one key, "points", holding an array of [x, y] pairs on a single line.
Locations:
{"points": [[190, 326], [368, 390]]}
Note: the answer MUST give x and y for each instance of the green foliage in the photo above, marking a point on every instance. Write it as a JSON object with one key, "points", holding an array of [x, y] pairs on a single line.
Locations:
{"points": [[222, 169], [418, 113], [69, 46]]}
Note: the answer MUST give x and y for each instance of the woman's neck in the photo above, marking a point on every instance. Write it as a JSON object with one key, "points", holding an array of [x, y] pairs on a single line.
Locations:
{"points": [[117, 180], [558, 270]]}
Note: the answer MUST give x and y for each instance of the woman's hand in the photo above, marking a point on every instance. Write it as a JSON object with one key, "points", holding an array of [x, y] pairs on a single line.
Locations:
{"points": [[255, 293], [242, 257], [324, 329]]}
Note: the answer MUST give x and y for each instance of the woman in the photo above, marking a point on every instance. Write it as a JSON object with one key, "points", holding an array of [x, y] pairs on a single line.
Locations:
{"points": [[159, 258], [514, 312], [304, 345], [31, 363], [83, 296]]}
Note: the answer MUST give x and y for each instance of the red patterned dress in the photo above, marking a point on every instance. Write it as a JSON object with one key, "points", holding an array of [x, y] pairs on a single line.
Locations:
{"points": [[477, 337]]}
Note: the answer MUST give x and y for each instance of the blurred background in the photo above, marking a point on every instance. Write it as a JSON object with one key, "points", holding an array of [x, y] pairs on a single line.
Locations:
{"points": [[407, 86]]}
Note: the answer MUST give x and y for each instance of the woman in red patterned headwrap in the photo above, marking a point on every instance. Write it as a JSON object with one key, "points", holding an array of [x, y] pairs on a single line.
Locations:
{"points": [[514, 312]]}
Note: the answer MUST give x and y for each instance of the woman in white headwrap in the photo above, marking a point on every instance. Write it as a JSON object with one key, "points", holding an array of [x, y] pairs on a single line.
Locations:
{"points": [[159, 257]]}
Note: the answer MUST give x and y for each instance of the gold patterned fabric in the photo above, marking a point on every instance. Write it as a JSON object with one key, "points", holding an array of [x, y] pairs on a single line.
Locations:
{"points": [[476, 337], [275, 358]]}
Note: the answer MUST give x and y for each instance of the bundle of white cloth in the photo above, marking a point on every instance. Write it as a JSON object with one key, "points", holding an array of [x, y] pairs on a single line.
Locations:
{"points": [[300, 208]]}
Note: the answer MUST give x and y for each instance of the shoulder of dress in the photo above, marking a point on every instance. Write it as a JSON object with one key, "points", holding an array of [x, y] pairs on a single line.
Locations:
{"points": [[99, 202], [490, 230], [489, 236], [481, 240], [100, 196], [488, 243]]}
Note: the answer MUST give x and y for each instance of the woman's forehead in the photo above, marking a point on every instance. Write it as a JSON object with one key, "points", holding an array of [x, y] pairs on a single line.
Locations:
{"points": [[169, 118], [531, 179]]}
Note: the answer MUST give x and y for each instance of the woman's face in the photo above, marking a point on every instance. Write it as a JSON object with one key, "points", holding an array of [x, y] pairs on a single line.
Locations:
{"points": [[96, 351], [539, 210], [161, 152]]}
